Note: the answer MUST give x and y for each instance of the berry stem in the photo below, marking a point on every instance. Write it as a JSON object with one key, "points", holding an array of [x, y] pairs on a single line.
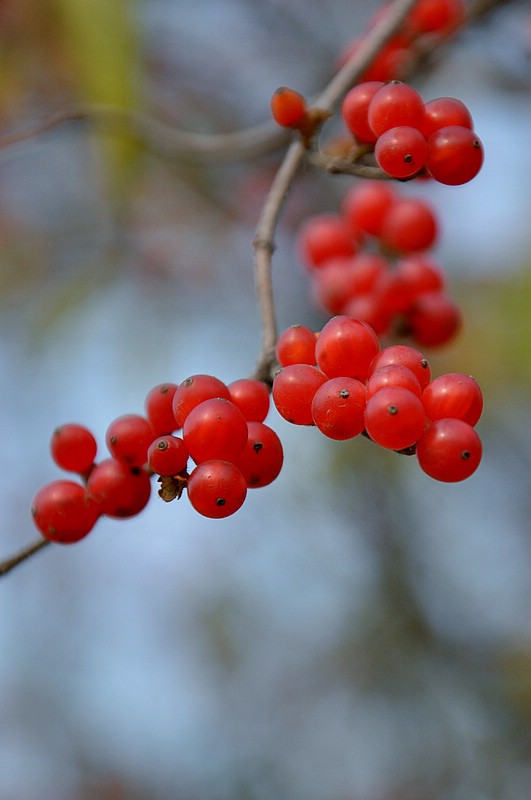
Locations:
{"points": [[10, 563]]}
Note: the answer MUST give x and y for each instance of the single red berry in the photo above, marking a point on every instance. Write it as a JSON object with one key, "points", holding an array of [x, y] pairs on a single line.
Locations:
{"points": [[216, 489], [408, 357], [409, 226], [346, 347], [288, 107], [158, 406], [128, 438], [338, 407], [323, 237], [453, 395], [296, 345], [167, 455], [392, 375], [401, 151], [449, 450], [262, 457], [354, 110], [434, 319], [444, 111], [395, 417], [455, 155], [365, 206], [435, 16], [251, 396], [293, 390], [117, 489], [195, 390], [215, 429], [73, 447], [63, 511], [421, 274], [395, 103]]}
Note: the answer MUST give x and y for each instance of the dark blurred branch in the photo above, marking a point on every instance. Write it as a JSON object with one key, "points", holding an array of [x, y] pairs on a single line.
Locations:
{"points": [[10, 563]]}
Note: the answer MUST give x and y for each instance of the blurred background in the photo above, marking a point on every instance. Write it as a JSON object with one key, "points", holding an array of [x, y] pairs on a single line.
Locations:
{"points": [[356, 631]]}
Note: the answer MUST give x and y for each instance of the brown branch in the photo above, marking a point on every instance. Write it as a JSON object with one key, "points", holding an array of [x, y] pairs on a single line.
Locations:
{"points": [[10, 563], [267, 223]]}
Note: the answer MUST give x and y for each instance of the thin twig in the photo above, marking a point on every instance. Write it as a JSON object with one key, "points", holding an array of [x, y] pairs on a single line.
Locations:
{"points": [[267, 223], [10, 563]]}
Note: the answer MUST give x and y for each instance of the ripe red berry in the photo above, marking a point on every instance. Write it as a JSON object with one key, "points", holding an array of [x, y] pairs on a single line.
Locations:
{"points": [[409, 226], [401, 151], [251, 396], [293, 390], [434, 319], [117, 489], [395, 417], [338, 406], [296, 345], [444, 111], [394, 104], [159, 410], [365, 206], [449, 450], [455, 155], [354, 110], [216, 489], [435, 16], [392, 375], [63, 511], [195, 390], [408, 357], [346, 347], [323, 237], [288, 107], [73, 447], [262, 457], [453, 395], [167, 455], [128, 438], [215, 429]]}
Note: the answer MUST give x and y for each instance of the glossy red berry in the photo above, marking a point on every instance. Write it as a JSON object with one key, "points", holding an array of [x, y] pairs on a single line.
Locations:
{"points": [[215, 429], [288, 107], [395, 417], [455, 155], [453, 395], [395, 103], [296, 345], [293, 390], [73, 447], [128, 438], [409, 226], [346, 347], [251, 396], [262, 457], [392, 375], [158, 406], [63, 511], [449, 450], [443, 111], [338, 407], [354, 110], [408, 357], [323, 237], [217, 489], [401, 151], [167, 455], [117, 489], [195, 390], [365, 206]]}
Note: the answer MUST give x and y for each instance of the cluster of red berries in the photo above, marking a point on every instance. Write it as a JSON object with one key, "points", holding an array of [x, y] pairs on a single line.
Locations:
{"points": [[428, 20], [342, 382], [370, 262], [222, 431], [410, 137]]}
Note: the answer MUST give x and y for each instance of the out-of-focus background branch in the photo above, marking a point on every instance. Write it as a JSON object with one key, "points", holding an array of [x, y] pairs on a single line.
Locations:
{"points": [[355, 632]]}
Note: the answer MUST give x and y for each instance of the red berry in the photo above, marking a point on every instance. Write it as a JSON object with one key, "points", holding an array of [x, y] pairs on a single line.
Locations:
{"points": [[444, 111], [324, 237], [392, 375], [63, 511], [293, 390], [288, 107], [262, 457], [354, 110], [195, 390], [159, 410], [167, 455], [455, 155], [449, 450], [366, 204], [296, 345], [401, 151], [435, 16], [215, 429], [338, 406], [117, 489], [395, 417], [346, 347], [128, 438], [73, 447], [409, 226], [453, 395], [216, 489], [434, 319], [394, 104], [408, 357], [251, 396]]}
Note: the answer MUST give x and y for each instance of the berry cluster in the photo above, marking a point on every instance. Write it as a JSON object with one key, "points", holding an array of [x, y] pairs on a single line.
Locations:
{"points": [[370, 262], [222, 432], [341, 382], [409, 137]]}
